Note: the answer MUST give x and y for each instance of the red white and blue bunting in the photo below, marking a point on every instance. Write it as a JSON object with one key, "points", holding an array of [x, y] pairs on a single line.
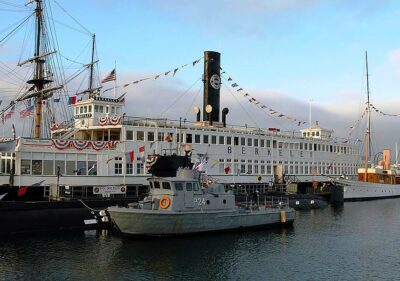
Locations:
{"points": [[84, 144], [103, 121], [151, 160], [99, 145], [61, 144], [114, 121], [80, 144]]}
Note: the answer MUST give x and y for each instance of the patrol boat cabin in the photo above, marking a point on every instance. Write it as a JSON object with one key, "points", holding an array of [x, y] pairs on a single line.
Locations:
{"points": [[178, 206]]}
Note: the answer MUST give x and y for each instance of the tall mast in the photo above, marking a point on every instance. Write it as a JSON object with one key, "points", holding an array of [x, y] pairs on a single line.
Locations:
{"points": [[92, 66], [367, 132], [38, 76], [39, 80]]}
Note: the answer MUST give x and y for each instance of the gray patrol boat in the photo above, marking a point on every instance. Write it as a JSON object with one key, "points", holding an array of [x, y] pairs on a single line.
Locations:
{"points": [[180, 205]]}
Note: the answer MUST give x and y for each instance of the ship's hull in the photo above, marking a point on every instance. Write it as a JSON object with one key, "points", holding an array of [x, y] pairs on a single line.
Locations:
{"points": [[159, 223], [39, 216], [358, 191]]}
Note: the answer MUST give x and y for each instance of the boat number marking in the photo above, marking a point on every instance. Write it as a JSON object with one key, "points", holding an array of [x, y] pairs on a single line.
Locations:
{"points": [[199, 201]]}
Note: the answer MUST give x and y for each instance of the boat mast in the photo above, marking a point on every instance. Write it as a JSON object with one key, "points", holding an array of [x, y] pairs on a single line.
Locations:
{"points": [[367, 132], [92, 66], [38, 80], [92, 63]]}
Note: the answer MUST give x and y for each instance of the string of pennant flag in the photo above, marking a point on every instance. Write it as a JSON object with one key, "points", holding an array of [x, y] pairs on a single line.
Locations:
{"points": [[258, 103], [371, 107], [381, 112], [352, 127], [163, 74]]}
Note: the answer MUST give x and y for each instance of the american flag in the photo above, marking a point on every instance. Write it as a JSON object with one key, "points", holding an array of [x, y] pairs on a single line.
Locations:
{"points": [[27, 111], [8, 115], [110, 77]]}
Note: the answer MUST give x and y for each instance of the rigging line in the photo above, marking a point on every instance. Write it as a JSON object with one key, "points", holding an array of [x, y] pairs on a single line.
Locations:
{"points": [[70, 27], [245, 111], [257, 104], [15, 5], [14, 11], [27, 36], [51, 27], [181, 96], [84, 28], [16, 28], [81, 63], [266, 113], [74, 75], [11, 74], [194, 100]]}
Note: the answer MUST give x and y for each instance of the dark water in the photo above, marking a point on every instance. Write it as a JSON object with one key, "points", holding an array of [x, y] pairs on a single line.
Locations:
{"points": [[360, 241]]}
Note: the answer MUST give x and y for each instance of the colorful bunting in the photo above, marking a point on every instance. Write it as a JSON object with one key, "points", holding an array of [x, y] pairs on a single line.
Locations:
{"points": [[261, 105], [165, 73], [196, 61]]}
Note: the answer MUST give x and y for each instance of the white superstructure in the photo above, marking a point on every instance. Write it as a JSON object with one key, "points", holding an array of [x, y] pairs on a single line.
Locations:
{"points": [[98, 152]]}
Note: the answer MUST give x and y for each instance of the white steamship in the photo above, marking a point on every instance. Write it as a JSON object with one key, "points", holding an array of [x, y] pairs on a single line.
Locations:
{"points": [[103, 148]]}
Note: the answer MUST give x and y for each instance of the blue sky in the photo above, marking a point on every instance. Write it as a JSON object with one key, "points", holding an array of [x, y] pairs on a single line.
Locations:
{"points": [[284, 52]]}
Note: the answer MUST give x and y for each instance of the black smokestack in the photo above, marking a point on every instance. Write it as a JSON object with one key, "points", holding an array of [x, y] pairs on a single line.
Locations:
{"points": [[212, 84]]}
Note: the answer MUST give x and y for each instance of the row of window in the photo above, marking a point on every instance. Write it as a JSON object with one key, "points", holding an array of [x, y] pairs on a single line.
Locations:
{"points": [[50, 167], [243, 141], [98, 109], [179, 186], [292, 168]]}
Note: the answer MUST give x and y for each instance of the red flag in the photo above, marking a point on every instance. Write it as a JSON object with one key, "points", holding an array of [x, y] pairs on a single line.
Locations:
{"points": [[168, 138], [131, 155], [22, 190], [141, 152], [227, 169], [72, 100]]}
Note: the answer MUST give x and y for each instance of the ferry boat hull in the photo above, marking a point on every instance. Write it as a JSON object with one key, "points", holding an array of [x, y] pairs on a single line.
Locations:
{"points": [[150, 223], [358, 191]]}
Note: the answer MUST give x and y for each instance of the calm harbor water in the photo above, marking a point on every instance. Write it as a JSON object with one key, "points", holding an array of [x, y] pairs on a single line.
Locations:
{"points": [[359, 241]]}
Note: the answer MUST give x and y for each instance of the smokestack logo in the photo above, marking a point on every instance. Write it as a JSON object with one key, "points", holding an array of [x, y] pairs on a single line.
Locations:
{"points": [[215, 81]]}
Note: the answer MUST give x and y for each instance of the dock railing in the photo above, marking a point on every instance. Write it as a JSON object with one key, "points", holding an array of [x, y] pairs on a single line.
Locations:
{"points": [[276, 202]]}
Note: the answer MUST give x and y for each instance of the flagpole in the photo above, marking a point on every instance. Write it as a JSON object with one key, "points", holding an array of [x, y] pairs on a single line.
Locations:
{"points": [[115, 81], [124, 163], [309, 114], [233, 162]]}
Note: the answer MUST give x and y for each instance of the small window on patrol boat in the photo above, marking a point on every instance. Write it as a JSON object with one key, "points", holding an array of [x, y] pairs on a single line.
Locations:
{"points": [[188, 186], [166, 185], [156, 184], [178, 186], [196, 186]]}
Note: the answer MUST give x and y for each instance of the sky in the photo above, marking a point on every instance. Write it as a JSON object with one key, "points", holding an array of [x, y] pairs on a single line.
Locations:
{"points": [[286, 53]]}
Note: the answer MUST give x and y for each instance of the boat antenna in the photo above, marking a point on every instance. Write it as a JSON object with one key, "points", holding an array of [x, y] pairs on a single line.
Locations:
{"points": [[367, 132]]}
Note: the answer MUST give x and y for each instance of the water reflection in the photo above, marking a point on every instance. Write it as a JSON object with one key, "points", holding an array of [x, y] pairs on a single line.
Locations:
{"points": [[354, 241]]}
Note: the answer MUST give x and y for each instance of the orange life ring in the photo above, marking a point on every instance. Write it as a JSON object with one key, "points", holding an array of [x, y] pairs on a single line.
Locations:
{"points": [[165, 202]]}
